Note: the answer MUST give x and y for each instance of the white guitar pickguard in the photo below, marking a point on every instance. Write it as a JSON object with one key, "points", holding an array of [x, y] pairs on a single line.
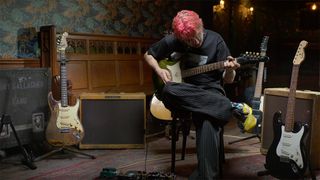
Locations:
{"points": [[289, 146], [175, 72], [68, 117]]}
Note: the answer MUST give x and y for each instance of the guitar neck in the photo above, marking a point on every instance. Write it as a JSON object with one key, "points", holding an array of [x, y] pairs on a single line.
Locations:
{"points": [[289, 121], [263, 52], [258, 88], [63, 81], [202, 69]]}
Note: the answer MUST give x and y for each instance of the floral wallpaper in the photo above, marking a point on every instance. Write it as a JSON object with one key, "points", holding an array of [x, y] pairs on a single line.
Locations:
{"points": [[20, 20]]}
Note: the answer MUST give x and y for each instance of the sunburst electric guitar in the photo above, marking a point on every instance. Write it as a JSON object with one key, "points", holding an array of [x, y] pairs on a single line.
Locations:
{"points": [[158, 109], [64, 127], [286, 157]]}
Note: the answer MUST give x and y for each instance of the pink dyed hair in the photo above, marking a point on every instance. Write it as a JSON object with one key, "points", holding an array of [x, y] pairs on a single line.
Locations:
{"points": [[186, 24]]}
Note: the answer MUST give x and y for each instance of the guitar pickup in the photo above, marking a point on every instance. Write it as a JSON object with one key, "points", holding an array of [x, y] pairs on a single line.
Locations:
{"points": [[287, 135], [284, 152], [65, 130], [286, 144]]}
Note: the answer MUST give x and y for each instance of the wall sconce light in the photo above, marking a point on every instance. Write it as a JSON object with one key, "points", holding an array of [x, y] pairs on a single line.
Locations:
{"points": [[220, 7], [222, 4], [246, 12], [251, 9], [314, 7]]}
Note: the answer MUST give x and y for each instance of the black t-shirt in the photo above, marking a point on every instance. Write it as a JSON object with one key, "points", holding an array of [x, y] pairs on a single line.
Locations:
{"points": [[213, 49]]}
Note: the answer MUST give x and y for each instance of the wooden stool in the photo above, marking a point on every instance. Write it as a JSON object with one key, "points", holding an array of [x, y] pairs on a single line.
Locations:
{"points": [[179, 121]]}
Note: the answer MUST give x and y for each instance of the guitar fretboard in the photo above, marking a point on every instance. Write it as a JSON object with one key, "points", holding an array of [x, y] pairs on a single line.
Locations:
{"points": [[289, 122], [63, 81], [263, 51], [202, 69]]}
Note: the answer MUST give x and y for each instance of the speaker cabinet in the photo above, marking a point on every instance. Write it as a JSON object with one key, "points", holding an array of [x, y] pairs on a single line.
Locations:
{"points": [[113, 120], [307, 110]]}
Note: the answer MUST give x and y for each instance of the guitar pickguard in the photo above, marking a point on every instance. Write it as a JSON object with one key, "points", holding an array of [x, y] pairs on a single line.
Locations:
{"points": [[64, 127], [289, 147], [175, 72], [68, 118]]}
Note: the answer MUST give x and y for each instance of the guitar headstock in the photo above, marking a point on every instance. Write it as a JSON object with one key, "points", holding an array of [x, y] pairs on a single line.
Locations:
{"points": [[251, 58], [62, 43], [264, 45], [299, 57]]}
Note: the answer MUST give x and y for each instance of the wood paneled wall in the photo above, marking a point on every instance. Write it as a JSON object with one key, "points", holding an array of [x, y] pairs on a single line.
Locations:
{"points": [[19, 63], [101, 63]]}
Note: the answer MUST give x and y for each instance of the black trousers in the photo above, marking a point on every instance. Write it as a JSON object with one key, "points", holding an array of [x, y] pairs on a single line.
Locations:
{"points": [[210, 111]]}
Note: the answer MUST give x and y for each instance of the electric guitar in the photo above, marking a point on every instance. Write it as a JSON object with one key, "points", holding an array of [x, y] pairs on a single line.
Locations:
{"points": [[286, 157], [158, 109], [64, 127], [256, 101]]}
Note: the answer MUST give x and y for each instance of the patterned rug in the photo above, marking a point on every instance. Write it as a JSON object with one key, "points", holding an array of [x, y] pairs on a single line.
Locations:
{"points": [[243, 161]]}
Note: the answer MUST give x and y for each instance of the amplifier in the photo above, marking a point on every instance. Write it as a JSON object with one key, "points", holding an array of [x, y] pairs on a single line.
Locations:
{"points": [[307, 110], [113, 120], [24, 98]]}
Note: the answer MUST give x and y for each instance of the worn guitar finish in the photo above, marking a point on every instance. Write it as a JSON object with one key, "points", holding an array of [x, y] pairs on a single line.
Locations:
{"points": [[286, 157], [64, 127]]}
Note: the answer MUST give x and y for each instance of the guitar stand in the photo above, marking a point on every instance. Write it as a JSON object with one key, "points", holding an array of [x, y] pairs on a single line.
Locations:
{"points": [[246, 138], [6, 120], [62, 149], [256, 135]]}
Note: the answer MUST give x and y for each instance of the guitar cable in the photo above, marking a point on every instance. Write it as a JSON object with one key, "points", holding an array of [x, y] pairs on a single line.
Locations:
{"points": [[145, 155]]}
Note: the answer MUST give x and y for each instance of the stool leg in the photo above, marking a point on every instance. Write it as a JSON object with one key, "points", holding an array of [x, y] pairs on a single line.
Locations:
{"points": [[185, 132], [184, 143], [221, 153], [173, 144]]}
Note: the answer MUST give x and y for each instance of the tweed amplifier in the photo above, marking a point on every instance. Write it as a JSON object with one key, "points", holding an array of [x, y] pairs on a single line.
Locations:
{"points": [[113, 120], [307, 110]]}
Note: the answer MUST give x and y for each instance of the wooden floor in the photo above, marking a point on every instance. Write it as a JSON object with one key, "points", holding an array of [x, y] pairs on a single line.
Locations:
{"points": [[155, 157]]}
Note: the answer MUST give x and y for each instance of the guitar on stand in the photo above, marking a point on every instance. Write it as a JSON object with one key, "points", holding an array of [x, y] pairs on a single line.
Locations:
{"points": [[286, 157], [64, 128], [257, 98]]}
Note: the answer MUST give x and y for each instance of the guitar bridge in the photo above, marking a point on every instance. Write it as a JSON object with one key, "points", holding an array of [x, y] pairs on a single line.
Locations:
{"points": [[284, 159]]}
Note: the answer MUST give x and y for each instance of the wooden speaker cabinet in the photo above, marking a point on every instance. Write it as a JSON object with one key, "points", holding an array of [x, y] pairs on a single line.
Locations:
{"points": [[307, 110], [113, 120]]}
